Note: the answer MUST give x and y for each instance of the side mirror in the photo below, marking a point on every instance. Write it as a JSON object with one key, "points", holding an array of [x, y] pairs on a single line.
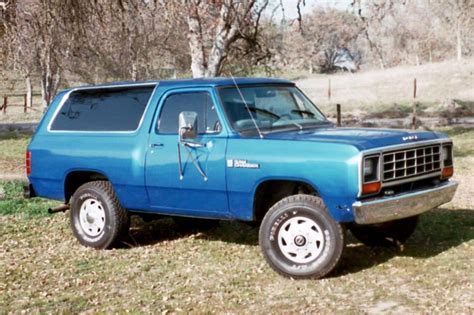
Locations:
{"points": [[187, 125]]}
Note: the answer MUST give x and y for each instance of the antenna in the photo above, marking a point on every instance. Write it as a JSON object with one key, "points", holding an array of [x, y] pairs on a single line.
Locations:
{"points": [[247, 107]]}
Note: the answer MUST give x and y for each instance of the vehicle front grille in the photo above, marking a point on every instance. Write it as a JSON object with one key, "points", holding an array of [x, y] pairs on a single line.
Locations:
{"points": [[413, 162]]}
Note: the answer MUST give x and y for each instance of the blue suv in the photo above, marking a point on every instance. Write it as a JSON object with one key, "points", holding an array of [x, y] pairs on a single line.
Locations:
{"points": [[246, 149]]}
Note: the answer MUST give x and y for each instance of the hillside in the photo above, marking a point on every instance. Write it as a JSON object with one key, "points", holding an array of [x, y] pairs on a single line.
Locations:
{"points": [[376, 90]]}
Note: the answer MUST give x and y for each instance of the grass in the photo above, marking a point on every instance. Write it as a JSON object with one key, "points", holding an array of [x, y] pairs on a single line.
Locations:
{"points": [[12, 154], [162, 268], [373, 91]]}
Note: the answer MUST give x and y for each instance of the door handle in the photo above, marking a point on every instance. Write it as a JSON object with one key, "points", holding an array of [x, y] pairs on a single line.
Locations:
{"points": [[154, 145]]}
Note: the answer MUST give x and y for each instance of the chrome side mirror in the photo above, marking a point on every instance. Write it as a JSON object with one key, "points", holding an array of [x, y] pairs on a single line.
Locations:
{"points": [[187, 125]]}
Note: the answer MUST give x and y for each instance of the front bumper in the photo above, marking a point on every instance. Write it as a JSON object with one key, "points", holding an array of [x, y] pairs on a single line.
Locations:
{"points": [[403, 205]]}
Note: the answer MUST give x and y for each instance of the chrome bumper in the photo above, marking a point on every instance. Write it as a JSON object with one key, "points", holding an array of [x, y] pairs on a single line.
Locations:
{"points": [[403, 205]]}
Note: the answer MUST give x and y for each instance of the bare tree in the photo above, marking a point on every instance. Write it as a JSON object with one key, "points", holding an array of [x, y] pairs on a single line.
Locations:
{"points": [[37, 41], [213, 27], [459, 16]]}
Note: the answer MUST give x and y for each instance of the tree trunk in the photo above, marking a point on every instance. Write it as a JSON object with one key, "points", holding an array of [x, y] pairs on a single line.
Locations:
{"points": [[196, 43], [44, 89], [49, 85], [225, 34], [134, 71], [382, 66], [29, 94], [458, 40]]}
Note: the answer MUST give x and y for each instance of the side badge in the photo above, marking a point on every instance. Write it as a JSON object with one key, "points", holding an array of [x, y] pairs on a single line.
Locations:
{"points": [[242, 164]]}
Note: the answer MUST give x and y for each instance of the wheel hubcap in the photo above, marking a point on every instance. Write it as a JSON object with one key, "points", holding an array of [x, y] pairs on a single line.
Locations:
{"points": [[92, 217], [301, 240]]}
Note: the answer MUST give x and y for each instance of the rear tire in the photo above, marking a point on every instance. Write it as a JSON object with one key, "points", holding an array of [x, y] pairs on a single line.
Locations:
{"points": [[97, 218], [299, 239], [392, 233]]}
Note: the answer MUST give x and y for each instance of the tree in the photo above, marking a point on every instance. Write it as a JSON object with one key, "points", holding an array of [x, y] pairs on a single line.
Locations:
{"points": [[459, 15], [319, 41], [124, 40], [37, 40], [213, 26]]}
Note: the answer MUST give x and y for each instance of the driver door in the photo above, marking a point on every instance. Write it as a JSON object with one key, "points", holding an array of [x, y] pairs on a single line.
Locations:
{"points": [[201, 190]]}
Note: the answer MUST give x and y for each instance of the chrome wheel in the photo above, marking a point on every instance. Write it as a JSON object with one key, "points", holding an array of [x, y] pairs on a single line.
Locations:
{"points": [[301, 240], [92, 217]]}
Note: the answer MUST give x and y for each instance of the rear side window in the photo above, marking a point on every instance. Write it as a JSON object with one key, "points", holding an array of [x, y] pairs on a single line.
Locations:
{"points": [[111, 109]]}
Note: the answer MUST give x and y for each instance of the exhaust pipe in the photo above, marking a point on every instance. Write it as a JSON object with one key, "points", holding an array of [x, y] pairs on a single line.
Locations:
{"points": [[61, 208]]}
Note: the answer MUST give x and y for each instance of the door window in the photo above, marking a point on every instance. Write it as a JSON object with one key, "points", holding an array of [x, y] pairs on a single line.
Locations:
{"points": [[199, 102]]}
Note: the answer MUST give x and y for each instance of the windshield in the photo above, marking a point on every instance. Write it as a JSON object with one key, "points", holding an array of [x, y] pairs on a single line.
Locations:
{"points": [[269, 107]]}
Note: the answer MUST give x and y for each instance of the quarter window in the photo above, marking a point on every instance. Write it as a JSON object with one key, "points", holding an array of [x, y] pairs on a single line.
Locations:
{"points": [[109, 109], [199, 102]]}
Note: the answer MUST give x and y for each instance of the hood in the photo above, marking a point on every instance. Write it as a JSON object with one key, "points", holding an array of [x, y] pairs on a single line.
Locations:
{"points": [[362, 138]]}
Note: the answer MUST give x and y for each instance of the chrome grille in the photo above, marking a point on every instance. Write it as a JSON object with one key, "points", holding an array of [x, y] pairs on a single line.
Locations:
{"points": [[401, 164]]}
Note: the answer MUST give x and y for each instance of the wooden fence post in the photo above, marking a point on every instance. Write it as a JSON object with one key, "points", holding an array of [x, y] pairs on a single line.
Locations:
{"points": [[25, 103], [329, 90], [5, 102], [338, 114], [414, 105]]}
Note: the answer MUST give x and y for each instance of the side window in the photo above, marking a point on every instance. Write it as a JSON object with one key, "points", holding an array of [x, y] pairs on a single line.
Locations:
{"points": [[199, 102], [108, 109]]}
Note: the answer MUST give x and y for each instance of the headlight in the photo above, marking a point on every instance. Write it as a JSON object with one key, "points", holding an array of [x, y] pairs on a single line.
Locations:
{"points": [[371, 168], [447, 155], [371, 182], [368, 167]]}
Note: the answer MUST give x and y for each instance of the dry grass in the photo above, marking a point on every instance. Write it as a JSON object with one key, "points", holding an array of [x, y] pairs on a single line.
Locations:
{"points": [[377, 89], [164, 269], [12, 153]]}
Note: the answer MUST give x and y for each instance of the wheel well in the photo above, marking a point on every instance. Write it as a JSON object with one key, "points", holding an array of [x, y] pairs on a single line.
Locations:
{"points": [[77, 178], [270, 192]]}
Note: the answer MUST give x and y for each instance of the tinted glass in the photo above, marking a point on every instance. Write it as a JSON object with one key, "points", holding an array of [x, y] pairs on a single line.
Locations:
{"points": [[199, 102], [269, 107], [112, 109]]}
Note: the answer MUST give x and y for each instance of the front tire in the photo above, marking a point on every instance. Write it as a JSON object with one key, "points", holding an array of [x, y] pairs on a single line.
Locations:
{"points": [[392, 233], [97, 218], [299, 239]]}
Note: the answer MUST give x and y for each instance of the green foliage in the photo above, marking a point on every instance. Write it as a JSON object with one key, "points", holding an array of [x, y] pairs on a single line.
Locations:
{"points": [[13, 203]]}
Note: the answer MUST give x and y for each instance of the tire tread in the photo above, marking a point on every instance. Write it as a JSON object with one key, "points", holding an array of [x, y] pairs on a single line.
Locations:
{"points": [[313, 201]]}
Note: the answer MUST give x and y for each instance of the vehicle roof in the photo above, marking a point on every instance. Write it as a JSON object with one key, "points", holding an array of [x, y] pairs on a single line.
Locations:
{"points": [[218, 81]]}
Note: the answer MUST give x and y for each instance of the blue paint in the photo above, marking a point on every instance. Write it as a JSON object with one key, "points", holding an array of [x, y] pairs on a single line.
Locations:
{"points": [[146, 177]]}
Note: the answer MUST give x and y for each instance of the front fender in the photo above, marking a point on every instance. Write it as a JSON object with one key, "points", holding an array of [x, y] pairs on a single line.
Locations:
{"points": [[331, 169]]}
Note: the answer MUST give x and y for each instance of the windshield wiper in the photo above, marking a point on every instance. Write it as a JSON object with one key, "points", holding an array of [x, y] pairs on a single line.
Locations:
{"points": [[296, 124], [302, 111], [264, 111]]}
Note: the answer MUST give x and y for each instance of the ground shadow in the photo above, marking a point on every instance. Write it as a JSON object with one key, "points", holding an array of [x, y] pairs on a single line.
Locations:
{"points": [[438, 231], [143, 233]]}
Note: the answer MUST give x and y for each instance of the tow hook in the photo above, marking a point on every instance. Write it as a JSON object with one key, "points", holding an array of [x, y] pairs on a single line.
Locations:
{"points": [[61, 208]]}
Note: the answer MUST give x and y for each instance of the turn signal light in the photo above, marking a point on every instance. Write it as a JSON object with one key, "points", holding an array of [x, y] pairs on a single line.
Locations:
{"points": [[447, 172], [28, 163], [371, 188]]}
